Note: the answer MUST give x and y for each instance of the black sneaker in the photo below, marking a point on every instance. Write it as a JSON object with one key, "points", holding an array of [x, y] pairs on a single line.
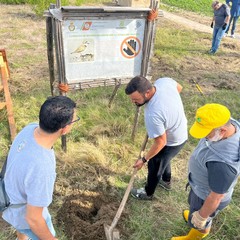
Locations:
{"points": [[140, 194], [166, 185]]}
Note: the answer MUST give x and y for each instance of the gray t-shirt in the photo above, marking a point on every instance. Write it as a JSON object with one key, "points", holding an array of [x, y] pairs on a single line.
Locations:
{"points": [[165, 113], [29, 177], [220, 15]]}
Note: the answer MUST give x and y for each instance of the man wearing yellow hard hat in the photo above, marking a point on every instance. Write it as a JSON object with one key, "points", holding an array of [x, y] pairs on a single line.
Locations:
{"points": [[213, 168]]}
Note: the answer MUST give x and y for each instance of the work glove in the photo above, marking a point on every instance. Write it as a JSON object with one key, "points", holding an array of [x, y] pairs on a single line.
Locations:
{"points": [[224, 26], [212, 25], [198, 221]]}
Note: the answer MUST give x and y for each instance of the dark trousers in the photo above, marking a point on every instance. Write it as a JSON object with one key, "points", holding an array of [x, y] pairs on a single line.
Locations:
{"points": [[159, 167], [196, 203]]}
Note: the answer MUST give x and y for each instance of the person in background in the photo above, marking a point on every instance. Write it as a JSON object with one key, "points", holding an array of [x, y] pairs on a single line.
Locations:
{"points": [[31, 170], [213, 168], [235, 13], [166, 124], [219, 24]]}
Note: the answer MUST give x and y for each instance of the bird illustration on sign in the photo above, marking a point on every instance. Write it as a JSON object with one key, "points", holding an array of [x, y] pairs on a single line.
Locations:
{"points": [[83, 46], [82, 52]]}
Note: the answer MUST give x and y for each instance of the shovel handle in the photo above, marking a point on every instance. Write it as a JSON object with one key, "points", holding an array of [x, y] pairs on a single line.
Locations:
{"points": [[123, 202], [144, 144], [129, 187]]}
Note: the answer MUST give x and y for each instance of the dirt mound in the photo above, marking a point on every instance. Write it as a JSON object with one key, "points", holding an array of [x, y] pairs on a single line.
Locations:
{"points": [[82, 216], [229, 46]]}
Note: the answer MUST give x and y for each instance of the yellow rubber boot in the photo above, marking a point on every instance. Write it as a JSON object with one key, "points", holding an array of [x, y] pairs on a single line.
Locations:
{"points": [[185, 215], [194, 234]]}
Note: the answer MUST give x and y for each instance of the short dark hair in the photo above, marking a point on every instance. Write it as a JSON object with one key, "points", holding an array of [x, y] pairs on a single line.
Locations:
{"points": [[55, 113], [138, 83], [214, 3]]}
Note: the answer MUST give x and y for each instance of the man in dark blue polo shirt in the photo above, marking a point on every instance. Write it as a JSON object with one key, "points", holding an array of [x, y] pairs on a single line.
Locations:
{"points": [[219, 24]]}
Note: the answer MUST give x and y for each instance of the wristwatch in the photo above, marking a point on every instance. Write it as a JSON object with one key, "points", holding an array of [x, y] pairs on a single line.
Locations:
{"points": [[144, 159]]}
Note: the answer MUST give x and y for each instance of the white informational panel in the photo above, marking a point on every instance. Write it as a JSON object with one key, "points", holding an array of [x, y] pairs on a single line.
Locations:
{"points": [[108, 48]]}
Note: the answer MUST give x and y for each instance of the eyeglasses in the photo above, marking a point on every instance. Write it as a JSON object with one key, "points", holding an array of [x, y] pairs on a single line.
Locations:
{"points": [[78, 118]]}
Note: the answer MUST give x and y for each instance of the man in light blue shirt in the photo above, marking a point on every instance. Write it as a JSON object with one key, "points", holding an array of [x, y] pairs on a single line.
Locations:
{"points": [[31, 170]]}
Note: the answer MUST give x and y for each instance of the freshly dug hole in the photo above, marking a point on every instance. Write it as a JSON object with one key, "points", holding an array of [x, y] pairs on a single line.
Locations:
{"points": [[83, 215]]}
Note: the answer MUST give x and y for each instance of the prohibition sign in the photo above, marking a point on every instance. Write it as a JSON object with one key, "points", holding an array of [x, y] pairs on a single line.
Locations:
{"points": [[130, 47]]}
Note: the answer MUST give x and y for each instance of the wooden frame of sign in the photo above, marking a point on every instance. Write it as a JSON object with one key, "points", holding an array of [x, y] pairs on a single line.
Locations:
{"points": [[98, 46]]}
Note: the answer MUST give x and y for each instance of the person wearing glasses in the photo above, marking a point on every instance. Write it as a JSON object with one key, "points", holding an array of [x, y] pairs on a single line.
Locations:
{"points": [[219, 24], [166, 124], [213, 168], [31, 169]]}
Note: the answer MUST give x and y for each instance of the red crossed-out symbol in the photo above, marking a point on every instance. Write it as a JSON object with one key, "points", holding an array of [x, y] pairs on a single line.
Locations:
{"points": [[130, 47]]}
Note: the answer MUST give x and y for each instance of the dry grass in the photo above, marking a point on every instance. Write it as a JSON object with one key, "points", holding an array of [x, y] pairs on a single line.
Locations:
{"points": [[98, 163]]}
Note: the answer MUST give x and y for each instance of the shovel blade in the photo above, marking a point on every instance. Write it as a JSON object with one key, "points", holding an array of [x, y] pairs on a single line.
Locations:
{"points": [[111, 234]]}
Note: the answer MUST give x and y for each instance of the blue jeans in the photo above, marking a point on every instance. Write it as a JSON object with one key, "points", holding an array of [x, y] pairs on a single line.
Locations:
{"points": [[159, 167], [234, 19], [32, 236], [218, 34]]}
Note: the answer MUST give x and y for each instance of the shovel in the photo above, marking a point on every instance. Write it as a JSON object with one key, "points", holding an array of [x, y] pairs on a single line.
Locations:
{"points": [[110, 231]]}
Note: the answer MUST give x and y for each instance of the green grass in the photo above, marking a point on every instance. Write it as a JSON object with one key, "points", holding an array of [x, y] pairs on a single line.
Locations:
{"points": [[102, 139], [39, 6], [174, 43], [199, 6]]}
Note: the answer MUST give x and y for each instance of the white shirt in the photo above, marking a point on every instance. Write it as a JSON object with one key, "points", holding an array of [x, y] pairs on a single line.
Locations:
{"points": [[165, 113]]}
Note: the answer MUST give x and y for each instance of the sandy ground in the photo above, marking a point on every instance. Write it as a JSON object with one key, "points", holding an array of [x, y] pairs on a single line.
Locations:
{"points": [[202, 26]]}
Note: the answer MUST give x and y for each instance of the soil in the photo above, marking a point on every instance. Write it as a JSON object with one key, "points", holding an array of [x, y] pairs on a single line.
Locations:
{"points": [[193, 21], [219, 72], [83, 213]]}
